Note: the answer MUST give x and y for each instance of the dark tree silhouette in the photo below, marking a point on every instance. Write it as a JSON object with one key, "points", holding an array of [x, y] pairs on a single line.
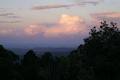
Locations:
{"points": [[47, 67], [101, 52], [30, 58], [8, 62], [30, 66]]}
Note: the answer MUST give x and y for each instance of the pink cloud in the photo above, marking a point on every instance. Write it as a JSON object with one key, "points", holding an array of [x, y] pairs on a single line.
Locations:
{"points": [[34, 29], [67, 25]]}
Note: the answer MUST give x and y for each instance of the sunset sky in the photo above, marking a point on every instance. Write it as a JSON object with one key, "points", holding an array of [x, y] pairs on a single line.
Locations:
{"points": [[52, 23]]}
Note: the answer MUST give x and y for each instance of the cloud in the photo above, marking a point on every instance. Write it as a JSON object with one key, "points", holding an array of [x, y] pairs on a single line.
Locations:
{"points": [[17, 21], [88, 1], [13, 21], [9, 17], [67, 25], [34, 29], [52, 6], [6, 31], [78, 3], [6, 14], [107, 16]]}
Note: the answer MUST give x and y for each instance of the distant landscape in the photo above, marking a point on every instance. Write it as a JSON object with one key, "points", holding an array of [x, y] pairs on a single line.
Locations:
{"points": [[59, 39], [42, 50], [97, 59]]}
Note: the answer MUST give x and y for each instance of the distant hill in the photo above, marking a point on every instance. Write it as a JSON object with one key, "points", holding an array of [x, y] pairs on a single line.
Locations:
{"points": [[42, 50]]}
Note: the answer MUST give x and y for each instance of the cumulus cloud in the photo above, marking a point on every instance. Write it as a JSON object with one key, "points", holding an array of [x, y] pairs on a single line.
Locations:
{"points": [[67, 25], [34, 29]]}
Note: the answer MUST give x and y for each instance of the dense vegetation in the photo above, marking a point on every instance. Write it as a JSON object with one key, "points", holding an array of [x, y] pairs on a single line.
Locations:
{"points": [[97, 59]]}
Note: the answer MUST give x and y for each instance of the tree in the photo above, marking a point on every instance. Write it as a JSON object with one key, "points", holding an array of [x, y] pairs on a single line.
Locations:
{"points": [[8, 62], [30, 58], [7, 55], [46, 59], [101, 52], [30, 66], [47, 67]]}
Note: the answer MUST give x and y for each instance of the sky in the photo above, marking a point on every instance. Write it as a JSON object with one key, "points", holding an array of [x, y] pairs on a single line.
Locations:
{"points": [[52, 23]]}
